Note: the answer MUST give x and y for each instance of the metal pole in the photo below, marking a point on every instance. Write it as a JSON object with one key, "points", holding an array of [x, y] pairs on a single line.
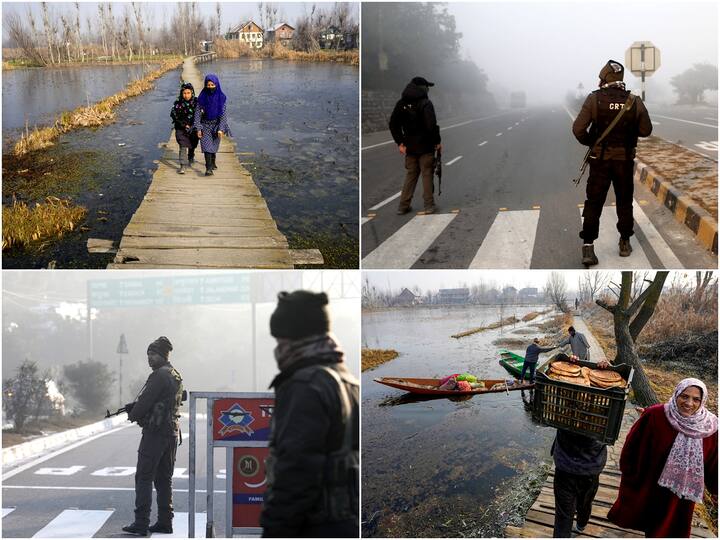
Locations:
{"points": [[209, 533], [191, 473], [229, 466], [89, 323], [642, 67], [120, 382]]}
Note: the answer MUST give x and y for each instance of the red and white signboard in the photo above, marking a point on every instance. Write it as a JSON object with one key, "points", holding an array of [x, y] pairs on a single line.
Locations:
{"points": [[242, 419], [249, 484]]}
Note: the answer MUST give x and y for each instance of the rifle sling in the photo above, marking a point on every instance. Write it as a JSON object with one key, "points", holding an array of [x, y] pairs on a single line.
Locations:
{"points": [[628, 104]]}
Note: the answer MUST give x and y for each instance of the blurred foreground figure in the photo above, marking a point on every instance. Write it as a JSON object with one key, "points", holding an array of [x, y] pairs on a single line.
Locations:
{"points": [[313, 468]]}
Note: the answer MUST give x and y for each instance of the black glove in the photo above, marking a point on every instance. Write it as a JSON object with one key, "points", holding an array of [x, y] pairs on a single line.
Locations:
{"points": [[129, 407]]}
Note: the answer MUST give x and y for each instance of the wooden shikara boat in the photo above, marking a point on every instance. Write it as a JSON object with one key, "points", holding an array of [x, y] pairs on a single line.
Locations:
{"points": [[513, 363], [431, 386]]}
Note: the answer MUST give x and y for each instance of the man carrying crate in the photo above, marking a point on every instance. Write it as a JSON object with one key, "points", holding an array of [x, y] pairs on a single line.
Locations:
{"points": [[579, 460]]}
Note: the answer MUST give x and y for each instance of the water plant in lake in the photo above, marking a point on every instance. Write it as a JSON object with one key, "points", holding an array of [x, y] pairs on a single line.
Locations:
{"points": [[93, 115], [23, 225]]}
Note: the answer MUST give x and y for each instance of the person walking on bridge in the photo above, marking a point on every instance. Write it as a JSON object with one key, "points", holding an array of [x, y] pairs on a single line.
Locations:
{"points": [[610, 122], [414, 128], [183, 117], [211, 120], [578, 344]]}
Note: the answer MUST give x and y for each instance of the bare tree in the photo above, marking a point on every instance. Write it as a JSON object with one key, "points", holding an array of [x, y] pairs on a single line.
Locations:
{"points": [[594, 282], [218, 19], [556, 291], [137, 10], [22, 37], [629, 318], [48, 31], [78, 39]]}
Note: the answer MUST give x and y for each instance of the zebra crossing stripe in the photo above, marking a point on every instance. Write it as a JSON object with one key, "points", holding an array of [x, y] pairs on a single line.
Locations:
{"points": [[180, 526], [510, 241], [663, 251], [75, 524], [606, 246], [6, 511], [408, 243]]}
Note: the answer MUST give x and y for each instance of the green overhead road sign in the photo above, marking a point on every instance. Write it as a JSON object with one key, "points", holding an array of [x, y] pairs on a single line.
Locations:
{"points": [[170, 290]]}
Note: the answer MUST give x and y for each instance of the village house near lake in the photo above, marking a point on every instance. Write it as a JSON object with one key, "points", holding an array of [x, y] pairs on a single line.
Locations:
{"points": [[256, 37]]}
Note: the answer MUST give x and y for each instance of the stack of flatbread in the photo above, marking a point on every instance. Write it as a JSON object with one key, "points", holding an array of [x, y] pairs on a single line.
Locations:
{"points": [[569, 372], [604, 378]]}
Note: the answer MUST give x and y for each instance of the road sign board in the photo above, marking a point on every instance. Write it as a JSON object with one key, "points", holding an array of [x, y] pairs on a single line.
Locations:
{"points": [[642, 56], [122, 346], [245, 419], [249, 483], [170, 290]]}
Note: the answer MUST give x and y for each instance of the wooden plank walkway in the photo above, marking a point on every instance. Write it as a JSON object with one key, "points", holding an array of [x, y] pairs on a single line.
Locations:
{"points": [[194, 221], [540, 518]]}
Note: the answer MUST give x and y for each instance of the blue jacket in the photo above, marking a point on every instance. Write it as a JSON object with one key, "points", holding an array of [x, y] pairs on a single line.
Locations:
{"points": [[533, 352]]}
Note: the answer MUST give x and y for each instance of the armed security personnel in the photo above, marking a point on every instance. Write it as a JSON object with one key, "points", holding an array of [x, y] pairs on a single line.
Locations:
{"points": [[156, 411], [313, 468], [415, 131], [612, 154]]}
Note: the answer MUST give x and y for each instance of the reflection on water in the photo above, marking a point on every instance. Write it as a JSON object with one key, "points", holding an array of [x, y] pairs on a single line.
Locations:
{"points": [[301, 121], [37, 95], [440, 467]]}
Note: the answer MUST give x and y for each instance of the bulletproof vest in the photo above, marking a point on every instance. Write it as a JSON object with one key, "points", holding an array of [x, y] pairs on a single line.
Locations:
{"points": [[163, 417], [608, 103]]}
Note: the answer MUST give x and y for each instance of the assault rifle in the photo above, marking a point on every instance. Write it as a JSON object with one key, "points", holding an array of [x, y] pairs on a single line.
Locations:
{"points": [[583, 167], [437, 169], [127, 408]]}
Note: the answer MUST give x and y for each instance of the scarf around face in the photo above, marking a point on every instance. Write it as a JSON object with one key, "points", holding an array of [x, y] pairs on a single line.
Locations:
{"points": [[322, 347], [183, 112], [212, 103], [684, 471]]}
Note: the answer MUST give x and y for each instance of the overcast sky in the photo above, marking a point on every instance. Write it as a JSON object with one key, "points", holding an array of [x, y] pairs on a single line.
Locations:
{"points": [[547, 48]]}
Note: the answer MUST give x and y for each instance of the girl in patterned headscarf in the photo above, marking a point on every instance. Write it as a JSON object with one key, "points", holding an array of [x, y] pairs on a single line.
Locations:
{"points": [[211, 120], [183, 117], [670, 456]]}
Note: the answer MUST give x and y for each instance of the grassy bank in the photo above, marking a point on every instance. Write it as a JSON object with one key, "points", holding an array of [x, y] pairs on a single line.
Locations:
{"points": [[372, 358], [237, 49], [95, 115], [24, 225], [338, 251]]}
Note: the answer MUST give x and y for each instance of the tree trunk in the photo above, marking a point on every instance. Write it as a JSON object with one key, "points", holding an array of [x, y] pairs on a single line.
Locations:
{"points": [[648, 306], [626, 354]]}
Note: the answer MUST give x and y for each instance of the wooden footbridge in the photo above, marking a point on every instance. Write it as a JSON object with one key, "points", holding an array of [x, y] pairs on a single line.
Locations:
{"points": [[540, 519], [194, 221]]}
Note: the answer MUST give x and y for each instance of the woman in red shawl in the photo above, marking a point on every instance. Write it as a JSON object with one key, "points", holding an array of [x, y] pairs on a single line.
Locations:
{"points": [[670, 456]]}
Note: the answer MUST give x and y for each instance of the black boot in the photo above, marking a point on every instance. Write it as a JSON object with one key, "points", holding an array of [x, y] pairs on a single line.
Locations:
{"points": [[161, 528], [208, 164], [136, 529], [191, 156], [625, 248], [214, 165], [588, 255]]}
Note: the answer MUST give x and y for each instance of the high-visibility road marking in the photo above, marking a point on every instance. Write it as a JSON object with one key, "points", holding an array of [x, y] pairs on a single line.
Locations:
{"points": [[509, 128], [383, 203], [453, 161], [686, 121], [6, 511], [663, 251], [654, 123], [606, 246], [409, 242], [510, 241], [498, 134], [75, 524], [569, 113], [180, 525], [441, 129], [517, 123], [364, 220], [482, 143]]}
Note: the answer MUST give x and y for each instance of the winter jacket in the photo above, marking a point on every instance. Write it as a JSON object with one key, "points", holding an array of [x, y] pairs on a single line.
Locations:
{"points": [[578, 454], [164, 385], [413, 121], [532, 353]]}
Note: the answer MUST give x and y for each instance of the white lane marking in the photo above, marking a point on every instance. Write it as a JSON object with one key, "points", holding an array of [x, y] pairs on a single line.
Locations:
{"points": [[6, 511], [364, 220], [180, 526], [569, 113], [43, 459], [482, 143], [408, 243], [383, 203], [441, 129], [710, 146], [710, 118], [686, 121], [509, 128], [75, 524], [97, 488], [664, 253], [510, 241], [606, 245], [517, 123], [453, 161], [654, 123], [498, 134], [114, 471], [60, 471]]}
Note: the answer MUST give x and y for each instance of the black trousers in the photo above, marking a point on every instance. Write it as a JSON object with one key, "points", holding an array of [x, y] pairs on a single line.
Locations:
{"points": [[619, 173], [573, 493], [155, 465]]}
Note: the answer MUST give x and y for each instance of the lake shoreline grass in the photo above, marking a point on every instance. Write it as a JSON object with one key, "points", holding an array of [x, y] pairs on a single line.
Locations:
{"points": [[232, 49]]}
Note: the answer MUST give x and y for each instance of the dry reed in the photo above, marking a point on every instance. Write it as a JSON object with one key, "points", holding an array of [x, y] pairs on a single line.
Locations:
{"points": [[238, 49], [94, 115], [372, 358], [23, 225]]}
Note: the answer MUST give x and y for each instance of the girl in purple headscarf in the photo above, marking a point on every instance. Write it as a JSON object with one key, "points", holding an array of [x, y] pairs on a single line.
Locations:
{"points": [[211, 120], [669, 457]]}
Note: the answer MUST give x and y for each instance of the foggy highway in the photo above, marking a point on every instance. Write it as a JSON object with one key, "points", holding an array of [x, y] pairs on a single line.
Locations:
{"points": [[508, 201], [87, 489]]}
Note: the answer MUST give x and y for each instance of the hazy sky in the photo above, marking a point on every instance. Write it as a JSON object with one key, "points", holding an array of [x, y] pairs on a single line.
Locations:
{"points": [[548, 48]]}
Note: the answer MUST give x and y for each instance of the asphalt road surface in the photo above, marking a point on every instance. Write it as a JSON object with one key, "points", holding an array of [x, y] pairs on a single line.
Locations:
{"points": [[508, 202], [87, 490], [695, 128]]}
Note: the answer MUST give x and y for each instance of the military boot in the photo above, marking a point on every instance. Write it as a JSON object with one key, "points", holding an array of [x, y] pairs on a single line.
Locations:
{"points": [[588, 255], [161, 528], [625, 247], [136, 529], [214, 164]]}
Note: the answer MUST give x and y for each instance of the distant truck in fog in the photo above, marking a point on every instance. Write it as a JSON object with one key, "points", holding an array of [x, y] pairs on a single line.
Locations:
{"points": [[517, 100]]}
